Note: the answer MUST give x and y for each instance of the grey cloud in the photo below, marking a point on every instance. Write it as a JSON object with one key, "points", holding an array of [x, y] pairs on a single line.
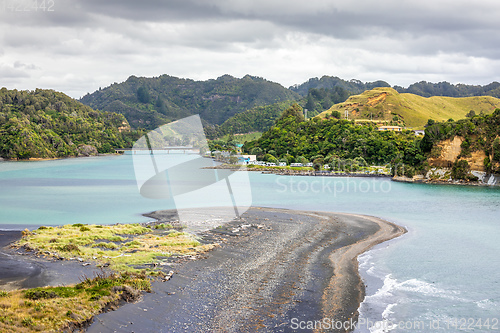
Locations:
{"points": [[9, 72], [21, 65], [270, 38]]}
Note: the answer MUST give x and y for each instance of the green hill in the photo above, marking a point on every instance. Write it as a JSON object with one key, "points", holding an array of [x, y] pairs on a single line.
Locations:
{"points": [[50, 124], [261, 118], [387, 105], [257, 119], [331, 82], [151, 102]]}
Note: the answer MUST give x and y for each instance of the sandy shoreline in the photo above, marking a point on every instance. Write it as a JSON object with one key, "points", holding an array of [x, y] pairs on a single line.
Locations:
{"points": [[300, 266]]}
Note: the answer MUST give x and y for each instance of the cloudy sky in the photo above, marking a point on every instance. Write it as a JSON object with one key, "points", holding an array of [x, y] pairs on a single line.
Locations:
{"points": [[77, 46]]}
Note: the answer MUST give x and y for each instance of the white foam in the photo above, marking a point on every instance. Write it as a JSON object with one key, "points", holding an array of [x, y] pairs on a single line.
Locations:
{"points": [[381, 307], [388, 311], [487, 304]]}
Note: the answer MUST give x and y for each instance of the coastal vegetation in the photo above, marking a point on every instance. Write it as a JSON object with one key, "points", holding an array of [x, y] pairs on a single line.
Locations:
{"points": [[333, 141], [123, 247], [56, 309], [49, 124], [351, 146], [132, 255]]}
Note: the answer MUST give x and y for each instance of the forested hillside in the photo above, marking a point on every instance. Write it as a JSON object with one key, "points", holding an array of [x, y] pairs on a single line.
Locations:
{"points": [[428, 89], [294, 139], [261, 118], [331, 82], [460, 146], [151, 102], [50, 124]]}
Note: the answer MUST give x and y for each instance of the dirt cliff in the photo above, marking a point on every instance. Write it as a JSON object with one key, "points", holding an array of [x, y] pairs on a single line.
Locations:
{"points": [[450, 150]]}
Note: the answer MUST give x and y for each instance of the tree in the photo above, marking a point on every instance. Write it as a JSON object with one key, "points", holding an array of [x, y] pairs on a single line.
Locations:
{"points": [[256, 151], [460, 170], [143, 95], [471, 114], [295, 111], [496, 150], [270, 158], [336, 114], [301, 159], [317, 164], [233, 159]]}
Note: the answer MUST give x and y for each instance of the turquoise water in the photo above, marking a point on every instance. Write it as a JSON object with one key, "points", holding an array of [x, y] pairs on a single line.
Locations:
{"points": [[445, 271]]}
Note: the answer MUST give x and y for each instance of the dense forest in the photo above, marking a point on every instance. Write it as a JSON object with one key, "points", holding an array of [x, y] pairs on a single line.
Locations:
{"points": [[428, 89], [294, 139], [342, 142], [331, 82], [261, 118], [50, 124], [423, 88], [151, 102]]}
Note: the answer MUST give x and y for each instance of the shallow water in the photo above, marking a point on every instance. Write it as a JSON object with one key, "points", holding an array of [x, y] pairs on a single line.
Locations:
{"points": [[443, 272]]}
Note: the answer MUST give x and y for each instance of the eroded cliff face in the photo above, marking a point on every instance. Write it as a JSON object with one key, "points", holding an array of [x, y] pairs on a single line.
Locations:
{"points": [[450, 150]]}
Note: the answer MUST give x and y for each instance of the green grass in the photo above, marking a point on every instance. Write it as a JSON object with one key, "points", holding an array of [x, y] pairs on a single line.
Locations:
{"points": [[123, 246], [413, 110], [51, 309]]}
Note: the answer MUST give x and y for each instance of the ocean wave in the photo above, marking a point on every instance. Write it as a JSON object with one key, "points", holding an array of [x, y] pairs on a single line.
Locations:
{"points": [[381, 308]]}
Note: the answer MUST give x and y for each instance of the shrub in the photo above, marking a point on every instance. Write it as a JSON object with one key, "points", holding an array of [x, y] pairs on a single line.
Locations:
{"points": [[460, 170], [70, 248], [36, 294]]}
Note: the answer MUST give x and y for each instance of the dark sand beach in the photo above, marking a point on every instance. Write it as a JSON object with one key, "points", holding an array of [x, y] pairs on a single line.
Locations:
{"points": [[295, 266]]}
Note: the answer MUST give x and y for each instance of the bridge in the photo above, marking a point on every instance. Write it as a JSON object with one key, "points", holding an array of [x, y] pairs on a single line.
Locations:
{"points": [[163, 150]]}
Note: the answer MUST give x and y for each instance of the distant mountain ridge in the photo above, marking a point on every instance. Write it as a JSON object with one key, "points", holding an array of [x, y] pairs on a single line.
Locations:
{"points": [[428, 89], [150, 102], [330, 82], [422, 88]]}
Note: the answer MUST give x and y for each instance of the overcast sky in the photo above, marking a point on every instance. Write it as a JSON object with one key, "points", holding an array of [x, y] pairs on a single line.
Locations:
{"points": [[81, 45]]}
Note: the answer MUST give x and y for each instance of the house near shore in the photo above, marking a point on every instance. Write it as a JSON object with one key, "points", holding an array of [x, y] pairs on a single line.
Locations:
{"points": [[390, 128]]}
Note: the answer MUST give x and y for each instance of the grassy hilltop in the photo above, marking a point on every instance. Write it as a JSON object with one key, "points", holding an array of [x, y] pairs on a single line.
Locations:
{"points": [[386, 104]]}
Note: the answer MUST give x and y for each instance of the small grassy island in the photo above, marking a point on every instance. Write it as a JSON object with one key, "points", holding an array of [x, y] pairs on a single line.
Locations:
{"points": [[128, 256]]}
